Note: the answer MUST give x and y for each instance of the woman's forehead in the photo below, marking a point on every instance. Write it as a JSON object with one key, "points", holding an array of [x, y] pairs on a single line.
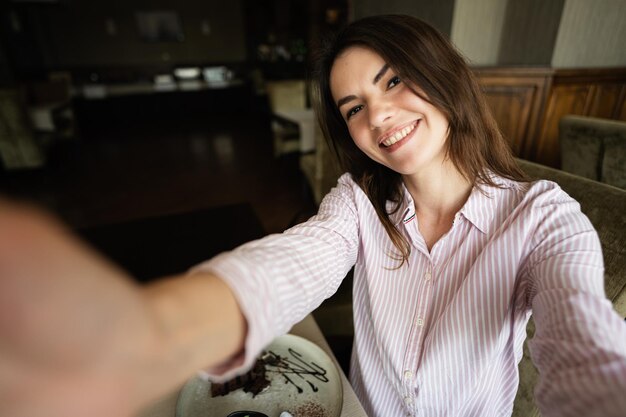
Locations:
{"points": [[356, 56], [351, 64]]}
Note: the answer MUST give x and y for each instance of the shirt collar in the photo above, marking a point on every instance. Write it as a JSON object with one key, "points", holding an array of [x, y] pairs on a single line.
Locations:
{"points": [[406, 209], [479, 209], [482, 204]]}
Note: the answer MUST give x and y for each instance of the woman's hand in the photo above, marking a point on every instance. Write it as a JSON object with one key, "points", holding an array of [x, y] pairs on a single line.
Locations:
{"points": [[74, 330], [78, 337]]}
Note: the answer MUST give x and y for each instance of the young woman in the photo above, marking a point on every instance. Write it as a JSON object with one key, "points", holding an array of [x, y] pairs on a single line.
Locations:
{"points": [[452, 249]]}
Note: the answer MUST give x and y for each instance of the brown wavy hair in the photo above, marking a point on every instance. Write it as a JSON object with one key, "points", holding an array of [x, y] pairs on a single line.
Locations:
{"points": [[421, 56]]}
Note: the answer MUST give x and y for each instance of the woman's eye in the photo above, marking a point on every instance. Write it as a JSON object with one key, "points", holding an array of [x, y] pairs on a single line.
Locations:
{"points": [[393, 82], [353, 111]]}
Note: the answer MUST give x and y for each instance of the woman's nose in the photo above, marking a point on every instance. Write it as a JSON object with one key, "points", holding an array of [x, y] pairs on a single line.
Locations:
{"points": [[379, 114]]}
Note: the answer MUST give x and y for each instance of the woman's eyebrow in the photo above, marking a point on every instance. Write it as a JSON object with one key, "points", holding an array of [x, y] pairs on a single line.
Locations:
{"points": [[377, 78], [380, 73], [345, 100]]}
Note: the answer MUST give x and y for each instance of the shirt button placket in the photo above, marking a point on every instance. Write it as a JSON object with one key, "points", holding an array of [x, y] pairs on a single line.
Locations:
{"points": [[408, 402], [428, 275]]}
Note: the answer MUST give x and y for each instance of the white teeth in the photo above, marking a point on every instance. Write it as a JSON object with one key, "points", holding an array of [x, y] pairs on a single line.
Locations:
{"points": [[401, 134]]}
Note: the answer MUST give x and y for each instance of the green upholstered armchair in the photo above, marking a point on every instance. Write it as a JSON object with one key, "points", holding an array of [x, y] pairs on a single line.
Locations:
{"points": [[594, 148]]}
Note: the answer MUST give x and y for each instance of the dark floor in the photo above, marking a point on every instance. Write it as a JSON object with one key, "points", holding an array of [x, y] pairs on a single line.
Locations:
{"points": [[157, 163]]}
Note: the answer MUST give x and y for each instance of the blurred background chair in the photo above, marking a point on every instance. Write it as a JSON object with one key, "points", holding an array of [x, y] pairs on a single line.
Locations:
{"points": [[49, 106], [286, 96], [32, 117], [19, 148], [320, 167]]}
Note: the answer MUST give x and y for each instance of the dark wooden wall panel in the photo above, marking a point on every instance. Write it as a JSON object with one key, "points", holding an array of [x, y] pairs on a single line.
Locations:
{"points": [[603, 100], [528, 103], [563, 99], [516, 97], [620, 108], [511, 106]]}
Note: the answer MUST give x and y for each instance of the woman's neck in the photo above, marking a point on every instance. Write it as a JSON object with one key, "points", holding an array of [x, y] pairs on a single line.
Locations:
{"points": [[438, 192]]}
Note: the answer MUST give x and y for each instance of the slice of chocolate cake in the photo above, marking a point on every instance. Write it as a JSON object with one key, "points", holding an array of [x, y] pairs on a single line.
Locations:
{"points": [[253, 381]]}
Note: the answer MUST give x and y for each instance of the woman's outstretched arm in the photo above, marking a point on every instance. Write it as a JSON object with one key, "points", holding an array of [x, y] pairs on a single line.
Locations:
{"points": [[579, 346], [78, 337]]}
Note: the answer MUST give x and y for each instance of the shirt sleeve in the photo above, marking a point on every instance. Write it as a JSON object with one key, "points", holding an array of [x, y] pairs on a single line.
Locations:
{"points": [[579, 346], [281, 278]]}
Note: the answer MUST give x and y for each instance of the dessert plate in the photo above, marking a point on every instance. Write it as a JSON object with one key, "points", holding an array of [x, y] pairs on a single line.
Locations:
{"points": [[291, 374]]}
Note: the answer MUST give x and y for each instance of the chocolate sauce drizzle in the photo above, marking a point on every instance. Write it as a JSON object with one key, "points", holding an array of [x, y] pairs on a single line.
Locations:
{"points": [[291, 368], [295, 366]]}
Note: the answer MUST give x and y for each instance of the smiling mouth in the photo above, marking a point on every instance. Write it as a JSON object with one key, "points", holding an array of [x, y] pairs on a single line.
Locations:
{"points": [[399, 135]]}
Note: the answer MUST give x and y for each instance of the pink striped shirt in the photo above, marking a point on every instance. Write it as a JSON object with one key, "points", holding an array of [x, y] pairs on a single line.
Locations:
{"points": [[443, 334]]}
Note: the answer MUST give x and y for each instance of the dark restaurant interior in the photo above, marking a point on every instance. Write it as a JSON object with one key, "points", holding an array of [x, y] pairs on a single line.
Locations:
{"points": [[153, 128]]}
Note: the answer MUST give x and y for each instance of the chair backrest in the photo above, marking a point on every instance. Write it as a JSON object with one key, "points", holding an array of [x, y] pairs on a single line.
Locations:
{"points": [[594, 148], [286, 95], [605, 206], [18, 148]]}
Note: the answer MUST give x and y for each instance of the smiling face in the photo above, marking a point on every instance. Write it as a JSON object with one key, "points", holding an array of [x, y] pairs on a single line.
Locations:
{"points": [[386, 119]]}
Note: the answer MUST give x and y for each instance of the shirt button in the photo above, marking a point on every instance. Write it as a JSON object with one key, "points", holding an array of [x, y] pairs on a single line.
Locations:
{"points": [[419, 321], [408, 400], [408, 375], [427, 276]]}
